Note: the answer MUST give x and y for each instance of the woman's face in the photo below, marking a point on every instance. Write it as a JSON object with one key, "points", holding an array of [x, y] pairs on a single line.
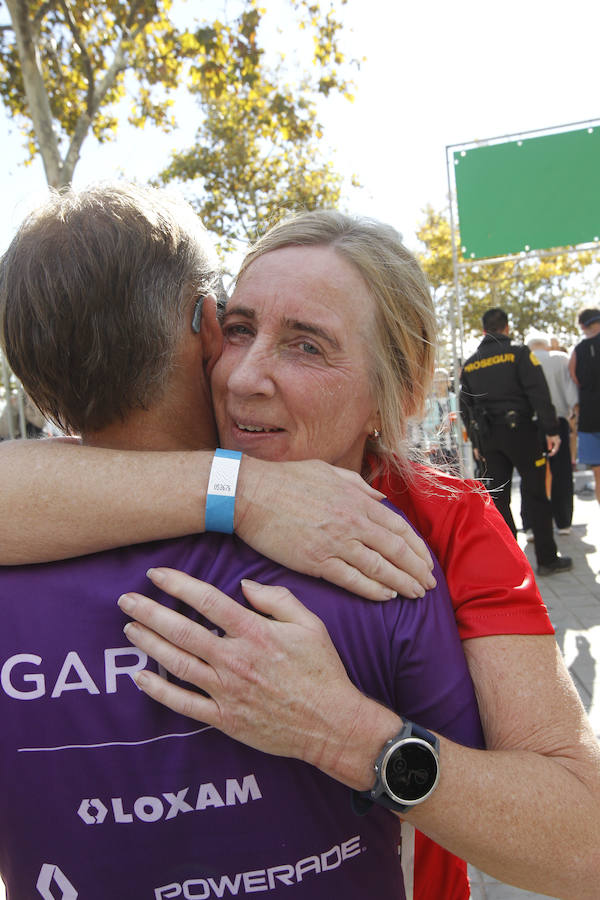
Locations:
{"points": [[292, 381]]}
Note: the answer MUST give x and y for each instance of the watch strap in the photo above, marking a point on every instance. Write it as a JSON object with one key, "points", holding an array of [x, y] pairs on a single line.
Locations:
{"points": [[362, 801]]}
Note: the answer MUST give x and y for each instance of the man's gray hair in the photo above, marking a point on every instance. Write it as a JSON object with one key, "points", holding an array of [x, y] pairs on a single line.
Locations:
{"points": [[95, 291]]}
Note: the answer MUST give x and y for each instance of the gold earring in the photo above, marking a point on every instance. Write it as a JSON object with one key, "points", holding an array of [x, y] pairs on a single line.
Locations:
{"points": [[375, 434]]}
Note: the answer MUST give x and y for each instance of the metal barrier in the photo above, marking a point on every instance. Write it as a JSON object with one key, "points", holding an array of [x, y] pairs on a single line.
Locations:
{"points": [[19, 417]]}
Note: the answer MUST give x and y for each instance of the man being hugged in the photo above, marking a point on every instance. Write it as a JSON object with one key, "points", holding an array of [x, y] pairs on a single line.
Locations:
{"points": [[107, 312]]}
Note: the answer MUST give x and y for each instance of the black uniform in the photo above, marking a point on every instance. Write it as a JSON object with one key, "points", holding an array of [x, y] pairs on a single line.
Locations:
{"points": [[587, 372], [502, 387]]}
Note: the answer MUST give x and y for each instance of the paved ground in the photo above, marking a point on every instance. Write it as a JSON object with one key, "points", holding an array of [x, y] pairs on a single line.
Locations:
{"points": [[573, 601]]}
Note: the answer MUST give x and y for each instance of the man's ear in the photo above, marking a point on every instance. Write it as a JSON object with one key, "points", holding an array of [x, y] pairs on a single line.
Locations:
{"points": [[211, 334]]}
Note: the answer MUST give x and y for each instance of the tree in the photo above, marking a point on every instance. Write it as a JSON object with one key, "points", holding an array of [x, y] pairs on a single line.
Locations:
{"points": [[536, 292], [63, 69], [66, 65], [256, 151]]}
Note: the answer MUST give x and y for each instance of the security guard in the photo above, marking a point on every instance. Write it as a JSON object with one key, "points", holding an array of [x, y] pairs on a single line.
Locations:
{"points": [[502, 388]]}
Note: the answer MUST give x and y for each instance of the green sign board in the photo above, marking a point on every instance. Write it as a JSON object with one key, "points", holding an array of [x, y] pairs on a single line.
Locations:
{"points": [[530, 194]]}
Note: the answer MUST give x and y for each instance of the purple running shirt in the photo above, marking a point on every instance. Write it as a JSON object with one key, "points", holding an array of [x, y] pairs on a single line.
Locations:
{"points": [[106, 795]]}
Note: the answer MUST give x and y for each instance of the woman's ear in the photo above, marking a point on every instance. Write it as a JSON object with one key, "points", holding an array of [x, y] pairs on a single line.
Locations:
{"points": [[211, 334], [375, 429]]}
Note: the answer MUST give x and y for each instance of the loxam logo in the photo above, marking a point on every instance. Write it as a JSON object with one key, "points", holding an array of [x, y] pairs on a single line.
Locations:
{"points": [[119, 811], [51, 877]]}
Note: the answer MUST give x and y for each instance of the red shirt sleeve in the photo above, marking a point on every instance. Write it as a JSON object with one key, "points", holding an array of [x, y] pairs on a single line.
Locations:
{"points": [[490, 580]]}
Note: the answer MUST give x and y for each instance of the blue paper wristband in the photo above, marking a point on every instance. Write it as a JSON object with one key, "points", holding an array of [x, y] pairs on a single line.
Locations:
{"points": [[220, 495]]}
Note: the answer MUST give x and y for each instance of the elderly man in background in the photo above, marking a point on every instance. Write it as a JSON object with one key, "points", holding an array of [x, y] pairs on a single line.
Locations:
{"points": [[563, 394]]}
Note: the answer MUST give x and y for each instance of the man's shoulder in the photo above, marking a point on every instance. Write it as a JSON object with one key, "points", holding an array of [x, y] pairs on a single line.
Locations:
{"points": [[587, 351], [588, 341], [558, 360], [492, 351], [516, 347]]}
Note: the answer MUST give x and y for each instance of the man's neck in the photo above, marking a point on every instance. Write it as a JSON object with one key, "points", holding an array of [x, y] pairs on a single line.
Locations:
{"points": [[162, 428]]}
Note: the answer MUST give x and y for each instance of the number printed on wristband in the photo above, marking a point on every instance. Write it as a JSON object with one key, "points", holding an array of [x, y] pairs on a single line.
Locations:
{"points": [[223, 476]]}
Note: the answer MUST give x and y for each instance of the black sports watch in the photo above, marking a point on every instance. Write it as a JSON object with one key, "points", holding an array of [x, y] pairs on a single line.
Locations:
{"points": [[406, 771]]}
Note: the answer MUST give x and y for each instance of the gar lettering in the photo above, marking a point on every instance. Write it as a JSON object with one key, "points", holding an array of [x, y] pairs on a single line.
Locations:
{"points": [[24, 676]]}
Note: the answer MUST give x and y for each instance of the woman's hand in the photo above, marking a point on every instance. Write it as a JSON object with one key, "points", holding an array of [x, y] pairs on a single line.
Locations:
{"points": [[273, 681], [325, 521]]}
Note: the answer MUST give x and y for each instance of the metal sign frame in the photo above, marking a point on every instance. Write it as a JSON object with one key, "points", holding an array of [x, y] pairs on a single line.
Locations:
{"points": [[456, 318]]}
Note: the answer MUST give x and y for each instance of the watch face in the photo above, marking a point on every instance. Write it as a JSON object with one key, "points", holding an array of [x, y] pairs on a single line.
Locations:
{"points": [[411, 771]]}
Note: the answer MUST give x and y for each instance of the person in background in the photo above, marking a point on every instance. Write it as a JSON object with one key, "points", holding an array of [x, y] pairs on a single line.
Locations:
{"points": [[439, 422], [584, 367], [502, 389], [10, 420], [563, 393]]}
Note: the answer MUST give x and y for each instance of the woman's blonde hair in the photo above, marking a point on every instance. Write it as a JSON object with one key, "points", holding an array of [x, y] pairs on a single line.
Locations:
{"points": [[404, 345]]}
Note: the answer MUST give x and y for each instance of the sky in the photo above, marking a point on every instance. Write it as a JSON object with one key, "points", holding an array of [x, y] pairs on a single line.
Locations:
{"points": [[436, 74]]}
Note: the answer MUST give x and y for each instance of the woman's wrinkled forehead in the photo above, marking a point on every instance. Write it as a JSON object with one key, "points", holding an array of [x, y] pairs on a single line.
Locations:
{"points": [[306, 284], [299, 264]]}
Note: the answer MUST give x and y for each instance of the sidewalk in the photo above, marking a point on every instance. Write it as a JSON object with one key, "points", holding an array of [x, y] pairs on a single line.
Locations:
{"points": [[573, 601]]}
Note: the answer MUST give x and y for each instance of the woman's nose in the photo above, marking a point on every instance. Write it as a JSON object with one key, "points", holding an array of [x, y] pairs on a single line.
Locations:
{"points": [[253, 372]]}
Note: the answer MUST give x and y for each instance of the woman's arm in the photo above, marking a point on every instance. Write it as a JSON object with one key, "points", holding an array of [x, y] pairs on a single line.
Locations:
{"points": [[527, 810], [60, 499]]}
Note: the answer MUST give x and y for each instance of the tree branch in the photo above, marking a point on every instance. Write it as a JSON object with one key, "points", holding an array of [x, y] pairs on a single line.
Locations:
{"points": [[87, 66], [44, 8], [85, 120], [131, 35], [119, 64]]}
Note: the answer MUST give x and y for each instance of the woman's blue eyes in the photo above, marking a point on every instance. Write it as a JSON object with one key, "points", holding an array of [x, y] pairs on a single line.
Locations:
{"points": [[241, 330], [309, 348], [236, 329]]}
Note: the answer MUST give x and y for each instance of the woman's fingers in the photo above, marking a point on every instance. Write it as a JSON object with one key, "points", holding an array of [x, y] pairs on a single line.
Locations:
{"points": [[381, 562], [352, 578], [395, 524], [327, 522], [180, 700], [207, 600], [279, 603], [181, 662]]}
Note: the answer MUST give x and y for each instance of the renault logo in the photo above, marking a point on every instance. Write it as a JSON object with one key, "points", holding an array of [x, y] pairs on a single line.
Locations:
{"points": [[51, 875]]}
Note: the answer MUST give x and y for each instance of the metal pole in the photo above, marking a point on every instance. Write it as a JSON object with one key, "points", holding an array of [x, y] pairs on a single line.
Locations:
{"points": [[7, 395], [533, 254], [463, 449], [21, 405], [518, 134]]}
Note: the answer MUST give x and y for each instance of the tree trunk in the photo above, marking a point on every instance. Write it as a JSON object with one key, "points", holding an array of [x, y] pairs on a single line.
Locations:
{"points": [[35, 91]]}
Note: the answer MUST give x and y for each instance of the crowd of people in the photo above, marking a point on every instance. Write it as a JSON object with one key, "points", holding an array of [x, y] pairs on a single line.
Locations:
{"points": [[531, 407], [318, 694]]}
